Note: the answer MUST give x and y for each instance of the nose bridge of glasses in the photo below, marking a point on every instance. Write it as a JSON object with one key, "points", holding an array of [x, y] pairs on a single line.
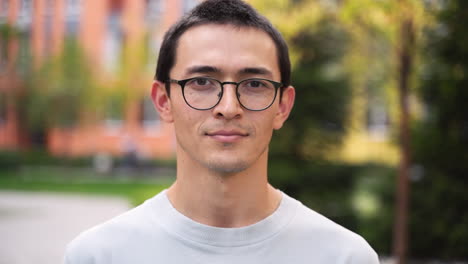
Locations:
{"points": [[223, 83], [226, 92], [233, 83]]}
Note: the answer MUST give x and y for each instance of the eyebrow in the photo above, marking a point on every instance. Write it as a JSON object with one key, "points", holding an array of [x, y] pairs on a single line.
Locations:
{"points": [[212, 69], [256, 70], [202, 69]]}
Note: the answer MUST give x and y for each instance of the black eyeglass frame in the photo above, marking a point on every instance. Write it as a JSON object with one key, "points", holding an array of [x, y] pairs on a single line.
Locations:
{"points": [[182, 83]]}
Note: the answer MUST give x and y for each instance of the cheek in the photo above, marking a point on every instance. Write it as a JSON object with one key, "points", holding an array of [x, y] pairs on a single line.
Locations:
{"points": [[264, 127], [186, 121]]}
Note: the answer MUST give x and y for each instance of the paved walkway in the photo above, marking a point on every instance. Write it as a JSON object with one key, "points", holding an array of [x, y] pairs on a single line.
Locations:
{"points": [[36, 227]]}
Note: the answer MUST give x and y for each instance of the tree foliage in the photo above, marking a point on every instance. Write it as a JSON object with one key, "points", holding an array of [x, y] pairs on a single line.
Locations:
{"points": [[56, 92], [317, 44], [300, 151], [439, 217]]}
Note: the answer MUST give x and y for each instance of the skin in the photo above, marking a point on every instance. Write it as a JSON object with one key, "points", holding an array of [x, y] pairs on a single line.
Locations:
{"points": [[222, 153]]}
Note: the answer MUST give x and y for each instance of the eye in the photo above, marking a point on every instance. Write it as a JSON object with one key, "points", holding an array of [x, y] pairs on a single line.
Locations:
{"points": [[202, 84], [255, 84], [201, 81]]}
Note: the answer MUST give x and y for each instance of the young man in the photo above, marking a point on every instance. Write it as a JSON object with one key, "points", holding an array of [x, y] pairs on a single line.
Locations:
{"points": [[223, 80]]}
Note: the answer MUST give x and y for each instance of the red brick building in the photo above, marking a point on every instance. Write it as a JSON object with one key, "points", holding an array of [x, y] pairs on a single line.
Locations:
{"points": [[104, 29]]}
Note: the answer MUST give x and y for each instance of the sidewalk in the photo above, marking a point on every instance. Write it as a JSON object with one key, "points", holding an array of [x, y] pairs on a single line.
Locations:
{"points": [[36, 227]]}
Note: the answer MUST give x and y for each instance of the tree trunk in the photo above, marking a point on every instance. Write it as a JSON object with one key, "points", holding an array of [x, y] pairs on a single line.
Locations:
{"points": [[400, 243]]}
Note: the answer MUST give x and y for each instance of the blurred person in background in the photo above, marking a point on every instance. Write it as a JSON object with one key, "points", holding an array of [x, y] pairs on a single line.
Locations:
{"points": [[223, 80]]}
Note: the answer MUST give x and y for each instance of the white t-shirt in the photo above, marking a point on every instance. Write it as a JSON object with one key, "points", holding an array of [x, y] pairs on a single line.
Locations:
{"points": [[155, 232]]}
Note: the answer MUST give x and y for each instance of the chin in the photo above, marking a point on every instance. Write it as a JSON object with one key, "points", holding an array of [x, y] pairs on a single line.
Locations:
{"points": [[228, 167]]}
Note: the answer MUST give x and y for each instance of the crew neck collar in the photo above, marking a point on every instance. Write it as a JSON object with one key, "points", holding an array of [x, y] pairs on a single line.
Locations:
{"points": [[180, 225]]}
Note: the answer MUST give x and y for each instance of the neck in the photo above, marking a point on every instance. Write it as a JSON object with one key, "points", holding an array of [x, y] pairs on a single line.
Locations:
{"points": [[216, 199]]}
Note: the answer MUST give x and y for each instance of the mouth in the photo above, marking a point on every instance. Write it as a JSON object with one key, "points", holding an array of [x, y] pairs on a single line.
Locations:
{"points": [[227, 136]]}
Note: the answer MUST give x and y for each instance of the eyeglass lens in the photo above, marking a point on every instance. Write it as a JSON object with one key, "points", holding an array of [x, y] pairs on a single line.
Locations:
{"points": [[205, 93]]}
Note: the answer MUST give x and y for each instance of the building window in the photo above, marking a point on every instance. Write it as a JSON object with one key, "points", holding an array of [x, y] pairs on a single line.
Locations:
{"points": [[114, 116], [187, 5], [72, 16], [154, 10], [24, 14], [73, 8], [4, 55], [149, 116], [72, 27], [113, 43], [49, 7], [3, 108], [23, 62], [4, 7], [48, 26], [153, 15]]}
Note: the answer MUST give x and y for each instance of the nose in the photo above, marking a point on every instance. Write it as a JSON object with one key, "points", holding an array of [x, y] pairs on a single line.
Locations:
{"points": [[229, 106]]}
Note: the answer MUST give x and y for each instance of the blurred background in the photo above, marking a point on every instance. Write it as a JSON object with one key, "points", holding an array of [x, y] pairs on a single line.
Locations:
{"points": [[377, 140]]}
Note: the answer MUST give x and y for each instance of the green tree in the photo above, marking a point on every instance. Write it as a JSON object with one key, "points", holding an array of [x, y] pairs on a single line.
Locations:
{"points": [[396, 25], [300, 151], [57, 92], [439, 217]]}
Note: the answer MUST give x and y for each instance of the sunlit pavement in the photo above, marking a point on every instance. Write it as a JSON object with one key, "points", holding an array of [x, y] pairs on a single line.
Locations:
{"points": [[36, 227]]}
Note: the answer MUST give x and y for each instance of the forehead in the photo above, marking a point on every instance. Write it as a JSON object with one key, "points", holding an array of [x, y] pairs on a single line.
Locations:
{"points": [[226, 47]]}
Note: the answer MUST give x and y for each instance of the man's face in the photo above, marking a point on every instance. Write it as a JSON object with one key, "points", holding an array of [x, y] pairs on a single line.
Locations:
{"points": [[227, 138]]}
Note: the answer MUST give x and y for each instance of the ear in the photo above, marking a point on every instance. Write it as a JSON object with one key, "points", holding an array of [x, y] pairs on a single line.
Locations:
{"points": [[161, 101], [286, 104]]}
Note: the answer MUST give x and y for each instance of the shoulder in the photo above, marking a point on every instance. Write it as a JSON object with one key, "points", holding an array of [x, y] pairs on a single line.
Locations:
{"points": [[330, 237], [102, 241]]}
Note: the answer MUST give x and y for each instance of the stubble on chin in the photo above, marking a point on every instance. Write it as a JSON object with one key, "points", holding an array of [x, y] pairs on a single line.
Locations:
{"points": [[234, 164], [216, 163], [222, 168], [228, 165]]}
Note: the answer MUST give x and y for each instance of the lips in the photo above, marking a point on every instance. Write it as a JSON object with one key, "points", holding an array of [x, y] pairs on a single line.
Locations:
{"points": [[227, 136]]}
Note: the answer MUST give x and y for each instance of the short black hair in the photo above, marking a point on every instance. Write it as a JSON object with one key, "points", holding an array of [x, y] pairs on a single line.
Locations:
{"points": [[224, 12]]}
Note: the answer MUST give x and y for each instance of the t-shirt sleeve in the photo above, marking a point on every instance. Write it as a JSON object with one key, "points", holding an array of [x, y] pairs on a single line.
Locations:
{"points": [[364, 254], [76, 256], [81, 251]]}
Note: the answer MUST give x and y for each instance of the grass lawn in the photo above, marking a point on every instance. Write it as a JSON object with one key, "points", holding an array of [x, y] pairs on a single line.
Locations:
{"points": [[136, 187]]}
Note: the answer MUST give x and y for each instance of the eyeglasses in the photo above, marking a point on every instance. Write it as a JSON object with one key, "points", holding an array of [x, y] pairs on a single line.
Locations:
{"points": [[204, 93]]}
